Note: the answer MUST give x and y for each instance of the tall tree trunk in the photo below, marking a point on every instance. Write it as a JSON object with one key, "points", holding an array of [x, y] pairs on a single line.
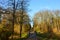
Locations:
{"points": [[21, 22], [13, 18]]}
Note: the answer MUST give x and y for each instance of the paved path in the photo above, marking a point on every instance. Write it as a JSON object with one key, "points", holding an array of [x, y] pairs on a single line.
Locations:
{"points": [[32, 36]]}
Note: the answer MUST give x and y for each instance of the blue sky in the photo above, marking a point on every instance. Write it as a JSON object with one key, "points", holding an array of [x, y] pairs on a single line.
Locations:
{"points": [[37, 5]]}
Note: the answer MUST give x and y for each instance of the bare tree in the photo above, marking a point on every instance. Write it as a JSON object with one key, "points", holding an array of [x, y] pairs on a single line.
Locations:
{"points": [[22, 6], [23, 9]]}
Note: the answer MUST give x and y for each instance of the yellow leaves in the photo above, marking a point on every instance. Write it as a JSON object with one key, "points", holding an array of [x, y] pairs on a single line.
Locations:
{"points": [[1, 25], [17, 28], [4, 21], [55, 30], [24, 28]]}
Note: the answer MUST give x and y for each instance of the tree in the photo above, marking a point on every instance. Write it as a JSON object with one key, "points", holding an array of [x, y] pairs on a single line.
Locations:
{"points": [[20, 5], [23, 9], [57, 14], [49, 20], [0, 13]]}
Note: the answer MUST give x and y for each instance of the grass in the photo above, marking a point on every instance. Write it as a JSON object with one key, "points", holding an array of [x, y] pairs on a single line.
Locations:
{"points": [[45, 37]]}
